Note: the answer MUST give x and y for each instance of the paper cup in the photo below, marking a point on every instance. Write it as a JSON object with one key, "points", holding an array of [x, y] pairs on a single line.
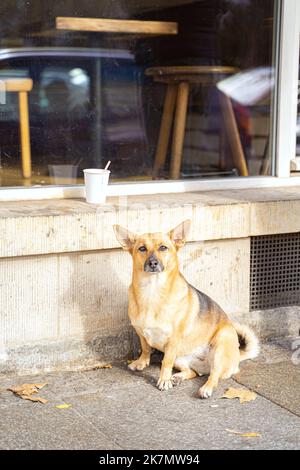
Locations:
{"points": [[96, 182]]}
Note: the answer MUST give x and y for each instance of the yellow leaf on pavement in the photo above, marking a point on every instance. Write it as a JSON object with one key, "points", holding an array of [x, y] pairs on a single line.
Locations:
{"points": [[244, 434], [63, 406]]}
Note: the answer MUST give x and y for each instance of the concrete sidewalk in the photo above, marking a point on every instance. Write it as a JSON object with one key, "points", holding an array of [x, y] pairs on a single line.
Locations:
{"points": [[117, 409]]}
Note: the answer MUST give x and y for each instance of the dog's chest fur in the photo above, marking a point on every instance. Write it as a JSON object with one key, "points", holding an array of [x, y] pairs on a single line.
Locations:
{"points": [[150, 317], [154, 330]]}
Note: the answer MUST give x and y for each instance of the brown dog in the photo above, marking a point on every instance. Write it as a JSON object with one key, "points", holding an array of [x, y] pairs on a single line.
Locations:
{"points": [[174, 317]]}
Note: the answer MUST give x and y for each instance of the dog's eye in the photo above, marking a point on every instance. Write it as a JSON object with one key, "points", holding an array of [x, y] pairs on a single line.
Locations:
{"points": [[163, 248], [142, 248]]}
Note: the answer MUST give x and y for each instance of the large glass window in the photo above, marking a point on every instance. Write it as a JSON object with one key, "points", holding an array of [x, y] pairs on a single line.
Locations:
{"points": [[189, 96], [298, 118]]}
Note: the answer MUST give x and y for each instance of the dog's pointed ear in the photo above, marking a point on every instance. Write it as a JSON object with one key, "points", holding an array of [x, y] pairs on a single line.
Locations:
{"points": [[124, 237], [180, 233]]}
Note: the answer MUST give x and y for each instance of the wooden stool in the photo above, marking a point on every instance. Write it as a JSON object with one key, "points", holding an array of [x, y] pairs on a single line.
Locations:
{"points": [[178, 80], [22, 86]]}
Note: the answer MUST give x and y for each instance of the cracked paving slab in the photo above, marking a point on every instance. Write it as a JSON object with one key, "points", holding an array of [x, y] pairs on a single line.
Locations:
{"points": [[274, 376]]}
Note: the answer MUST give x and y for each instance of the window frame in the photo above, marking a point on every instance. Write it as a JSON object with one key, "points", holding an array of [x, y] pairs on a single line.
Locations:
{"points": [[283, 144], [287, 87]]}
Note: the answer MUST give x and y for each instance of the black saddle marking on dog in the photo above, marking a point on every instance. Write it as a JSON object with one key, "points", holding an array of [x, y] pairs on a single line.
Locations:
{"points": [[206, 303]]}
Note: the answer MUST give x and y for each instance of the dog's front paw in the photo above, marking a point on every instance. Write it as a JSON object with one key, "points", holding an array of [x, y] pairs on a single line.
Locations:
{"points": [[164, 384], [139, 364], [205, 391]]}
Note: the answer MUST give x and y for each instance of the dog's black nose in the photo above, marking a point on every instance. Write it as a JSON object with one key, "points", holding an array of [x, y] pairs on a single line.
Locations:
{"points": [[153, 265]]}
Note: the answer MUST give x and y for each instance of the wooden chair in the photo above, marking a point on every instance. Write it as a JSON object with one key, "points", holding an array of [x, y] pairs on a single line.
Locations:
{"points": [[22, 86], [179, 79]]}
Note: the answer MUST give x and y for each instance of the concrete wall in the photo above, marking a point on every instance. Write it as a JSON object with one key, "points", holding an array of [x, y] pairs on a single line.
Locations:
{"points": [[69, 306]]}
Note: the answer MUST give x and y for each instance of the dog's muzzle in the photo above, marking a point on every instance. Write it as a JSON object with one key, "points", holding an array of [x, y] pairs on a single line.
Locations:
{"points": [[153, 265]]}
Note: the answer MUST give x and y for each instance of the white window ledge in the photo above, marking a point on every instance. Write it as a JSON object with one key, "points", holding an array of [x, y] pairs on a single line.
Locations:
{"points": [[148, 187]]}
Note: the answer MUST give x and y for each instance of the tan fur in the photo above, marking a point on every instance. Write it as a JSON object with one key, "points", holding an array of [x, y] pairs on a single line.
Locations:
{"points": [[168, 314]]}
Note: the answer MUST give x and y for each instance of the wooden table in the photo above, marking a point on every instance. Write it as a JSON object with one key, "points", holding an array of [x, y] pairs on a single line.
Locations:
{"points": [[105, 25], [22, 86]]}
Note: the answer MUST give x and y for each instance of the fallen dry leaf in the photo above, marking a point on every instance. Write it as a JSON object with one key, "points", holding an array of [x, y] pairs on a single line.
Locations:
{"points": [[251, 434], [102, 366], [97, 366], [63, 406], [34, 398], [243, 394], [244, 434], [25, 391]]}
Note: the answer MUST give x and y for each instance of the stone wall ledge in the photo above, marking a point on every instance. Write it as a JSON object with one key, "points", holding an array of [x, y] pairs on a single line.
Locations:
{"points": [[71, 225]]}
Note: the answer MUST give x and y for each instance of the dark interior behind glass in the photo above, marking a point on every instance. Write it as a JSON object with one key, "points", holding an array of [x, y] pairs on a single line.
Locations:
{"points": [[93, 101]]}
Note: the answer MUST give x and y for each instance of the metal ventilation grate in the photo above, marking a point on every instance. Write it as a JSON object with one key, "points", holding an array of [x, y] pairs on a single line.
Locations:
{"points": [[275, 271]]}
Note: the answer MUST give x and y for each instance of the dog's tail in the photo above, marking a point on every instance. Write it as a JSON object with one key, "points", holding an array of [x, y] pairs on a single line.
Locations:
{"points": [[249, 344]]}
